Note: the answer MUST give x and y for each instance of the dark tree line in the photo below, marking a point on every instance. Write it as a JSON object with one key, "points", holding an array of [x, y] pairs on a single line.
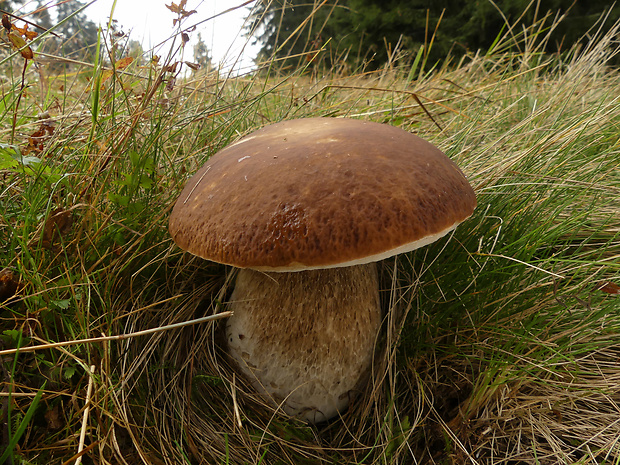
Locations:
{"points": [[367, 30]]}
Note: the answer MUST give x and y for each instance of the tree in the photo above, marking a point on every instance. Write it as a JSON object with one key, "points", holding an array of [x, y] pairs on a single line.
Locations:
{"points": [[79, 33], [9, 5], [365, 30], [291, 28], [202, 56], [42, 17]]}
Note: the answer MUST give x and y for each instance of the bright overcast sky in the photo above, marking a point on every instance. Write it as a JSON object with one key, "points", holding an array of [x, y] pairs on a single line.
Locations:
{"points": [[150, 23]]}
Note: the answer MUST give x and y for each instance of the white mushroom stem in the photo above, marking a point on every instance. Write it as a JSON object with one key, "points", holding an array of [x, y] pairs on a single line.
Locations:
{"points": [[306, 339]]}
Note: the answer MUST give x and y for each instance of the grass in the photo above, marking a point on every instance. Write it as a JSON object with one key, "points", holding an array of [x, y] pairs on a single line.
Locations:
{"points": [[501, 343]]}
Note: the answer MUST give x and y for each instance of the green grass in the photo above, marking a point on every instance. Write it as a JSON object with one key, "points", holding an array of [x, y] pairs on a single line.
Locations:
{"points": [[501, 343]]}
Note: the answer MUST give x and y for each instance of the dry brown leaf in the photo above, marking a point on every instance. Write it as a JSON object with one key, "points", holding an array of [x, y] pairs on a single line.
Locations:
{"points": [[19, 42], [171, 68], [610, 288], [180, 10], [6, 22], [174, 7], [105, 75], [37, 140], [9, 283], [54, 419], [57, 224], [123, 63], [24, 32]]}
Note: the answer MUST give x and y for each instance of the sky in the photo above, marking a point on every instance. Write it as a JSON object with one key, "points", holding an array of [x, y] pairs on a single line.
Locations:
{"points": [[150, 23]]}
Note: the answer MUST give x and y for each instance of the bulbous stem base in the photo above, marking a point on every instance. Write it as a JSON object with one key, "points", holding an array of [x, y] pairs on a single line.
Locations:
{"points": [[306, 339]]}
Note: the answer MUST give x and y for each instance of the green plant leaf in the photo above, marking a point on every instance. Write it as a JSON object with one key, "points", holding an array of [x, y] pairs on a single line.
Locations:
{"points": [[22, 425], [8, 157]]}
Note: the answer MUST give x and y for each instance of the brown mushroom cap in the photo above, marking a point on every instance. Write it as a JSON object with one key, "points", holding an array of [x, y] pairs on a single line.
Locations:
{"points": [[319, 193]]}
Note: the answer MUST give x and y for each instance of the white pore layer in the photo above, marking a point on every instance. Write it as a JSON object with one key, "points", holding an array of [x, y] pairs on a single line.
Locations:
{"points": [[368, 259]]}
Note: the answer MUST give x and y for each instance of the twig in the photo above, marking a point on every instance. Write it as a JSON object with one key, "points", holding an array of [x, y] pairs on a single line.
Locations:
{"points": [[235, 405], [117, 337], [89, 391], [19, 99], [86, 450], [30, 22], [519, 261]]}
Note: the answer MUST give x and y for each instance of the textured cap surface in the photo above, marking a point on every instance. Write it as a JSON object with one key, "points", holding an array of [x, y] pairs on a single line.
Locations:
{"points": [[318, 193]]}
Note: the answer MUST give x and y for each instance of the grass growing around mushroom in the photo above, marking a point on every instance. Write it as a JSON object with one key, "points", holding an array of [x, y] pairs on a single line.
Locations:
{"points": [[502, 340]]}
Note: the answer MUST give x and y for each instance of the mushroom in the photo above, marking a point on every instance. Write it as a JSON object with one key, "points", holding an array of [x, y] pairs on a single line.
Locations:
{"points": [[305, 208]]}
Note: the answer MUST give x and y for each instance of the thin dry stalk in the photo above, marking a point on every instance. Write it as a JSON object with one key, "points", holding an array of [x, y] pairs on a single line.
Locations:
{"points": [[89, 391]]}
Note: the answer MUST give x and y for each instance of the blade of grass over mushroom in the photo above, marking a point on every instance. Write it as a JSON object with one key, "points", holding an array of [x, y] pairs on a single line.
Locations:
{"points": [[118, 337]]}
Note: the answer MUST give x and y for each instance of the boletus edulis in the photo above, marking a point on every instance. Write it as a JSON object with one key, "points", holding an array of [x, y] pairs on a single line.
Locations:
{"points": [[305, 208]]}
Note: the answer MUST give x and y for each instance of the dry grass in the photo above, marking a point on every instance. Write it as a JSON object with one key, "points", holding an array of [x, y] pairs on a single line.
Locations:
{"points": [[195, 398]]}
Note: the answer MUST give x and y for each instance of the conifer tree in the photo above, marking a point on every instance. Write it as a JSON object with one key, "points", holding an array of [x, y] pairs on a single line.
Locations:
{"points": [[366, 31], [202, 56]]}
